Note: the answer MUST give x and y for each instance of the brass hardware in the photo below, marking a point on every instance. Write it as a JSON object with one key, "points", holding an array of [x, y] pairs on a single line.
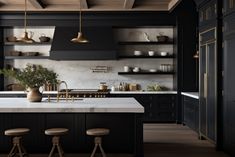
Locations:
{"points": [[80, 38], [72, 98], [205, 85], [61, 94], [49, 98]]}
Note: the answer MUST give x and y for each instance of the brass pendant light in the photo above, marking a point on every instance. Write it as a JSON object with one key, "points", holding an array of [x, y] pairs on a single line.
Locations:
{"points": [[25, 37], [80, 38]]}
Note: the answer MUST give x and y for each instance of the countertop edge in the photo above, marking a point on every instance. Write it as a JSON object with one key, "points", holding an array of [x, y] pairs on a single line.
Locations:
{"points": [[112, 92], [191, 94]]}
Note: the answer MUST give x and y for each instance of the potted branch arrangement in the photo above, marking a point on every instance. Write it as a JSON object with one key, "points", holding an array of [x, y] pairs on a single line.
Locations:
{"points": [[32, 77]]}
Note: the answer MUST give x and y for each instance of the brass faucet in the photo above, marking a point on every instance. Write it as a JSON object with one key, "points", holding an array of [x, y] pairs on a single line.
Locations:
{"points": [[59, 93]]}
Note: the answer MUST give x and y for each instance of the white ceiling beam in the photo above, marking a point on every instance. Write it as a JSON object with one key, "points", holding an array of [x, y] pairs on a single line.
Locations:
{"points": [[128, 4], [38, 4]]}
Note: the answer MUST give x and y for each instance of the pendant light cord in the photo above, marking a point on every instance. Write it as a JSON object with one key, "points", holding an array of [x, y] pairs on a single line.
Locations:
{"points": [[25, 14], [80, 16]]}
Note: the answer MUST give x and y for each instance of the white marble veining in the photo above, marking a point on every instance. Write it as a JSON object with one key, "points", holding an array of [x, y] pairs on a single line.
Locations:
{"points": [[86, 105], [143, 92], [191, 94]]}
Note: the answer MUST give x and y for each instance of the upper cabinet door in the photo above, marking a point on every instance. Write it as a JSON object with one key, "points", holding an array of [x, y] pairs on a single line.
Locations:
{"points": [[229, 85], [229, 6], [208, 13]]}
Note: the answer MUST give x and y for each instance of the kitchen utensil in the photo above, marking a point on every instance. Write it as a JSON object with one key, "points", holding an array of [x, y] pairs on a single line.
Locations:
{"points": [[15, 53], [163, 53], [163, 68], [103, 86], [11, 39], [136, 69], [31, 53], [162, 38], [137, 53], [15, 87], [152, 70], [151, 53], [133, 87], [44, 38], [126, 68]]}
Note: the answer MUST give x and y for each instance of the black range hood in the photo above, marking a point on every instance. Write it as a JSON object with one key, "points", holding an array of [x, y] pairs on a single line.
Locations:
{"points": [[101, 44]]}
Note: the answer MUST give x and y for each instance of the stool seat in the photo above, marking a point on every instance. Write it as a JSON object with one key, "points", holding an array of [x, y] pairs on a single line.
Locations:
{"points": [[16, 131], [56, 131], [97, 132]]}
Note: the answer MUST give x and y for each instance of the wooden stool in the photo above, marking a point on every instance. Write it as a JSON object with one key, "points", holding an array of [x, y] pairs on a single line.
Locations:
{"points": [[17, 134], [98, 132], [56, 133]]}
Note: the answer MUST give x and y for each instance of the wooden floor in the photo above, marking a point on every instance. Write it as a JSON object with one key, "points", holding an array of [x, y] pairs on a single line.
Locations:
{"points": [[171, 140], [167, 140]]}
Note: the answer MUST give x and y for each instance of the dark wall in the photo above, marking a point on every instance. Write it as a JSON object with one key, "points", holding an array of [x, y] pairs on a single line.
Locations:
{"points": [[1, 58], [90, 19]]}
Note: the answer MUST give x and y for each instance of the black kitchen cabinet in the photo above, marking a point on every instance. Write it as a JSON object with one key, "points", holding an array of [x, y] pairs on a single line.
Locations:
{"points": [[35, 139], [158, 107], [123, 126], [229, 6], [208, 13], [191, 112], [208, 83], [200, 2], [163, 108], [210, 67], [229, 85]]}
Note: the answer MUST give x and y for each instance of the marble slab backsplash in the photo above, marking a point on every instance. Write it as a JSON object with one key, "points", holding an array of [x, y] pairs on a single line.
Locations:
{"points": [[78, 74]]}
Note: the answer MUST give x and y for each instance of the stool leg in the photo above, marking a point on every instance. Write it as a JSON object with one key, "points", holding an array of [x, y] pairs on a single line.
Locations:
{"points": [[19, 149], [102, 151], [52, 151], [13, 149], [94, 150], [62, 151], [59, 151], [24, 150]]}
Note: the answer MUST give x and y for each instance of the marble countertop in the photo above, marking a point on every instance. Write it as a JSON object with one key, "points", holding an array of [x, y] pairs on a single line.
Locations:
{"points": [[191, 94], [143, 92], [23, 92], [112, 92], [85, 105]]}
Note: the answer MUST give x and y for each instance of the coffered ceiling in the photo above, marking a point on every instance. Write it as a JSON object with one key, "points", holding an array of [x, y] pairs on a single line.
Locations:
{"points": [[89, 5]]}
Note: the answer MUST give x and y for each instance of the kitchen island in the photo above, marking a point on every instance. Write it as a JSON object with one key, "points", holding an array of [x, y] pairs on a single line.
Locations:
{"points": [[123, 116]]}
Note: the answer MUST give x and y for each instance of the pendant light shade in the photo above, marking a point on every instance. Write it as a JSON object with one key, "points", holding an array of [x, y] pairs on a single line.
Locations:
{"points": [[80, 38], [25, 37]]}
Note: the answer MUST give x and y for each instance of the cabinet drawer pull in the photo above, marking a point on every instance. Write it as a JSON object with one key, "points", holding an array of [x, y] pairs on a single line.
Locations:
{"points": [[205, 85]]}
